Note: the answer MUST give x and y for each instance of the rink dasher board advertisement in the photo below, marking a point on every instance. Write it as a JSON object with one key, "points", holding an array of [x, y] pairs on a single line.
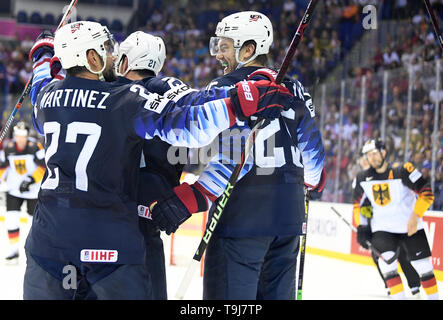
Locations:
{"points": [[328, 235]]}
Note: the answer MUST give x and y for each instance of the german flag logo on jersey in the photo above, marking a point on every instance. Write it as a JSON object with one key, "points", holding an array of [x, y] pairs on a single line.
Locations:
{"points": [[20, 166], [381, 194]]}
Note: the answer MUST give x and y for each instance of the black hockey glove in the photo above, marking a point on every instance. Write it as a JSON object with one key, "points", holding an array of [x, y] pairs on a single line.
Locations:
{"points": [[262, 98], [24, 186], [170, 212], [364, 234], [316, 192], [43, 44]]}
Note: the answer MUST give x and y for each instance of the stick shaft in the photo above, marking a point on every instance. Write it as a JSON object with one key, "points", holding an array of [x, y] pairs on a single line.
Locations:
{"points": [[434, 23], [28, 85], [301, 266], [371, 247], [67, 14]]}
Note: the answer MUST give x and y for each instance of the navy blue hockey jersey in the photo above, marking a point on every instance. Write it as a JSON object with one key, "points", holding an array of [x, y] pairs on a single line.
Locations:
{"points": [[94, 133], [288, 152]]}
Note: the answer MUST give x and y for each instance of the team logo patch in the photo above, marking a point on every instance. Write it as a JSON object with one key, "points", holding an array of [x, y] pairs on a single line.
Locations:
{"points": [[254, 17], [75, 27], [98, 255], [20, 166], [381, 193]]}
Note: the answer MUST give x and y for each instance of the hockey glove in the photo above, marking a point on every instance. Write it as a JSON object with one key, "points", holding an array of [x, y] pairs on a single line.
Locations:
{"points": [[262, 98], [315, 193], [24, 186], [43, 44], [170, 212], [366, 211], [364, 235]]}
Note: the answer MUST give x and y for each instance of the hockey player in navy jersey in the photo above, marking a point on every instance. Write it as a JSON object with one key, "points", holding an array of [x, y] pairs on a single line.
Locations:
{"points": [[141, 57], [253, 251], [85, 241], [399, 197]]}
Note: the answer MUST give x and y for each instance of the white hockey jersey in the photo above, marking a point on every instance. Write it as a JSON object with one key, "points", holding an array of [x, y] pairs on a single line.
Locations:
{"points": [[18, 165], [394, 195]]}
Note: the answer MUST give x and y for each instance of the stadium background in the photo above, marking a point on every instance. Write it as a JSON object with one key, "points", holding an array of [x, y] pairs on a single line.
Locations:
{"points": [[383, 82]]}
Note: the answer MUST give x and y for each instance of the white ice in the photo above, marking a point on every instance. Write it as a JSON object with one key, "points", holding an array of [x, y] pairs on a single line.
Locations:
{"points": [[324, 278]]}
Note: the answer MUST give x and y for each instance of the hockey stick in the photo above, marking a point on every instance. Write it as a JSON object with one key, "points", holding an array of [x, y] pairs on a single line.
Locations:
{"points": [[301, 266], [434, 23], [368, 243], [218, 207], [28, 85]]}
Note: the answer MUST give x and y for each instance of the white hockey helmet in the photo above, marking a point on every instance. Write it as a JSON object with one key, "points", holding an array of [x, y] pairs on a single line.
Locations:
{"points": [[21, 129], [144, 52], [241, 27], [373, 144], [73, 40]]}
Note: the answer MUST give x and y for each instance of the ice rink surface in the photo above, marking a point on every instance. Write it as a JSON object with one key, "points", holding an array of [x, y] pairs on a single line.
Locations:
{"points": [[324, 278]]}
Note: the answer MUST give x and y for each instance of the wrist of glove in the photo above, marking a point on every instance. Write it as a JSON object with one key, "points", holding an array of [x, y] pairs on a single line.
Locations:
{"points": [[364, 234], [55, 66], [315, 193], [263, 74], [24, 186], [366, 211], [169, 213], [262, 98], [43, 44]]}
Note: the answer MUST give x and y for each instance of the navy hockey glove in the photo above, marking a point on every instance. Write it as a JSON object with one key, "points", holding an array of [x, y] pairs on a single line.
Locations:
{"points": [[24, 186], [43, 44], [315, 193], [364, 235], [170, 212], [262, 98]]}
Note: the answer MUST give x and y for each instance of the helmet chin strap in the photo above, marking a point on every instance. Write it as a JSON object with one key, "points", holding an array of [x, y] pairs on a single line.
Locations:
{"points": [[100, 72], [240, 63]]}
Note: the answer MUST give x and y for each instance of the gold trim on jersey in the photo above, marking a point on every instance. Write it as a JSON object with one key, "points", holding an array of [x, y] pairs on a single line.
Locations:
{"points": [[381, 193]]}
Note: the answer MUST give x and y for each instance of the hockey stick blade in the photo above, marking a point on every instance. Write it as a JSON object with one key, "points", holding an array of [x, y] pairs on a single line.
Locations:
{"points": [[368, 243]]}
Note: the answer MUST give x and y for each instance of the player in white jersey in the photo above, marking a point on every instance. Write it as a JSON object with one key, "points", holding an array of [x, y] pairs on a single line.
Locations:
{"points": [[22, 165], [411, 275], [399, 196]]}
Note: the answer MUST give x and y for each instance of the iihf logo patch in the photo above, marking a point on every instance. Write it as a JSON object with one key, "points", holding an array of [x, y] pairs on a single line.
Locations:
{"points": [[98, 255]]}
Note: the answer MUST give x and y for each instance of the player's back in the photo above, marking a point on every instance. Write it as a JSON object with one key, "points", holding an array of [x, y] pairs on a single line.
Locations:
{"points": [[87, 197]]}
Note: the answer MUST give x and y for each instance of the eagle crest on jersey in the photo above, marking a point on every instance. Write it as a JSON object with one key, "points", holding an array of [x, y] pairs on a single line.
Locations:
{"points": [[20, 166], [381, 193]]}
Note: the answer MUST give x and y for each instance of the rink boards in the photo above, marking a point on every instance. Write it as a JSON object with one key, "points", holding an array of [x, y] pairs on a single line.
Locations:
{"points": [[329, 236]]}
